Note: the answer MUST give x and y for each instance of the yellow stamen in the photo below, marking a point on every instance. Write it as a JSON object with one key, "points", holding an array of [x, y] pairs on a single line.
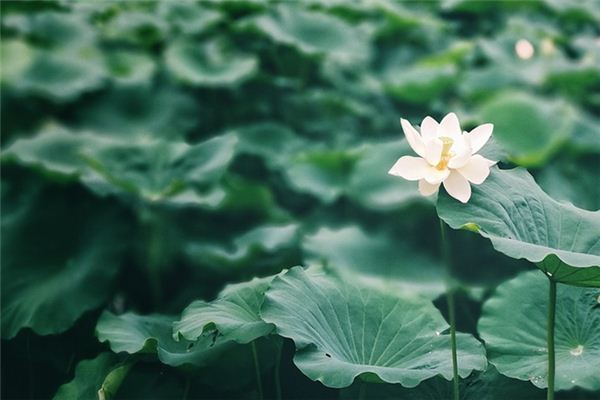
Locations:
{"points": [[446, 153]]}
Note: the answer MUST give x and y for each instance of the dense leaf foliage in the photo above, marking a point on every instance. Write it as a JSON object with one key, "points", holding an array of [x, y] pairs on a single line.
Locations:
{"points": [[167, 166]]}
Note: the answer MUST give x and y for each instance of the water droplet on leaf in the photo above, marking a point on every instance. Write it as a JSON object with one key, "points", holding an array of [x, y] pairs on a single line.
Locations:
{"points": [[577, 351]]}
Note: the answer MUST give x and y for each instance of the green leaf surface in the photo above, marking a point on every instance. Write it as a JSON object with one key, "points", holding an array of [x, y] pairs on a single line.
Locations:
{"points": [[156, 169], [513, 326], [54, 149], [372, 187], [264, 241], [188, 18], [273, 142], [135, 27], [215, 361], [488, 385], [132, 110], [234, 315], [210, 63], [376, 260], [59, 259], [343, 331], [573, 179], [323, 174], [530, 129], [59, 29], [128, 67], [522, 221], [153, 334], [88, 379], [62, 75], [313, 33]]}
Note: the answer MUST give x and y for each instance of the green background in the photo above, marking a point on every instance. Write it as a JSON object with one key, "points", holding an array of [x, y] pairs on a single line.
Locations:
{"points": [[153, 152]]}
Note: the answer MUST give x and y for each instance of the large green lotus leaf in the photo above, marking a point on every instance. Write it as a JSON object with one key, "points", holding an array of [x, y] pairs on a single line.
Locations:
{"points": [[135, 27], [531, 129], [573, 179], [314, 33], [324, 174], [381, 191], [586, 134], [522, 221], [576, 80], [129, 67], [401, 19], [234, 315], [268, 240], [488, 385], [513, 326], [132, 109], [54, 150], [273, 142], [155, 169], [188, 18], [88, 379], [343, 331], [60, 29], [62, 75], [209, 63], [376, 260], [59, 257], [221, 362], [153, 334], [419, 83], [17, 56]]}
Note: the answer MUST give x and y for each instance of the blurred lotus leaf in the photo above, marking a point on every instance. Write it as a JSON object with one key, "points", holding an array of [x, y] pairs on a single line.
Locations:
{"points": [[314, 33], [209, 63], [530, 128], [48, 284], [377, 261]]}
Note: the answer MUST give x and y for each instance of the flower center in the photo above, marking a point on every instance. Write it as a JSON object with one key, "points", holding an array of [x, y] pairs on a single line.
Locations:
{"points": [[446, 153]]}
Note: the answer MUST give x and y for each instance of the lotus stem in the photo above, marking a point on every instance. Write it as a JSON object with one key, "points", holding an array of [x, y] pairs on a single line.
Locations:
{"points": [[550, 338], [277, 371], [257, 368], [451, 310]]}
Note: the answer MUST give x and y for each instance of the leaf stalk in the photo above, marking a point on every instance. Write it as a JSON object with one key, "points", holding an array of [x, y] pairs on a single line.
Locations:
{"points": [[451, 310], [550, 338]]}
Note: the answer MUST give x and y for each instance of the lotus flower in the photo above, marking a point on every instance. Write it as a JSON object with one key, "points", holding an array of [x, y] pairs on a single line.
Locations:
{"points": [[446, 155]]}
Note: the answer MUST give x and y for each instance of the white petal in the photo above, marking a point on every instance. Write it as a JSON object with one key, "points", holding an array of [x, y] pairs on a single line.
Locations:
{"points": [[426, 188], [476, 170], [458, 187], [410, 168], [449, 127], [479, 136], [462, 152], [433, 151], [412, 136], [435, 176], [429, 128]]}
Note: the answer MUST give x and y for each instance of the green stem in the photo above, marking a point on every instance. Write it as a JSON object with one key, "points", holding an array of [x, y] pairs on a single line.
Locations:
{"points": [[451, 310], [362, 391], [186, 389], [452, 317], [277, 371], [152, 225], [550, 338], [30, 367], [257, 368]]}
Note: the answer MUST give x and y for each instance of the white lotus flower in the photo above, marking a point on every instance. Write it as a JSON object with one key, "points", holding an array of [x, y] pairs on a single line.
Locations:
{"points": [[446, 155]]}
